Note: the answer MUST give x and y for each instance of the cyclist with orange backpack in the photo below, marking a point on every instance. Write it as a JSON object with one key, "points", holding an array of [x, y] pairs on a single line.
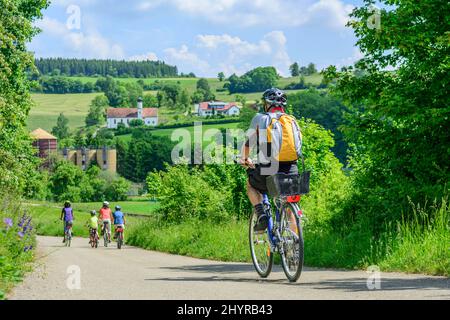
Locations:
{"points": [[278, 140]]}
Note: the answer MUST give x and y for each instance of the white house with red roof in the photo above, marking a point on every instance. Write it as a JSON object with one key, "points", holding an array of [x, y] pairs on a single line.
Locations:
{"points": [[114, 116], [210, 108]]}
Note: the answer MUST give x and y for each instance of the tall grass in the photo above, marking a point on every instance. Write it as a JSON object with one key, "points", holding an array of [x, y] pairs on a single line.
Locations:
{"points": [[418, 246], [195, 238], [421, 245], [46, 219], [17, 241]]}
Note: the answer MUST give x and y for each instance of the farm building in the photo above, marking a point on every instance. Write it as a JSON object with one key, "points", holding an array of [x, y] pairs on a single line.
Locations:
{"points": [[114, 116], [212, 108], [45, 142], [105, 157]]}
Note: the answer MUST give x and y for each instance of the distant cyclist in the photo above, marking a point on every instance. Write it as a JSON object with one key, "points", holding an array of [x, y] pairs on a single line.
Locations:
{"points": [[67, 217], [278, 140], [93, 223], [119, 219], [105, 215]]}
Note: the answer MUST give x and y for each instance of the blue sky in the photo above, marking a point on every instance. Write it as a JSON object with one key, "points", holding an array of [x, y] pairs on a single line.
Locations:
{"points": [[202, 36]]}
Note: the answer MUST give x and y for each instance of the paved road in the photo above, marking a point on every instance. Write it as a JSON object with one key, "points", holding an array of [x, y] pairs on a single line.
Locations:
{"points": [[134, 273]]}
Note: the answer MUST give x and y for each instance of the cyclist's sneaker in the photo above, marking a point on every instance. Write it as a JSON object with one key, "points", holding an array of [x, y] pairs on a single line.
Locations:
{"points": [[262, 223]]}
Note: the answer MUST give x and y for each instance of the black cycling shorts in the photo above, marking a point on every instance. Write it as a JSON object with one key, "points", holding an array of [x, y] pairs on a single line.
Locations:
{"points": [[258, 181]]}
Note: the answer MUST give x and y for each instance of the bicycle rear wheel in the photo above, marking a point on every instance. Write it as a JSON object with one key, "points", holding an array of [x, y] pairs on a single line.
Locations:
{"points": [[105, 238], [119, 240], [68, 238], [292, 244], [260, 249]]}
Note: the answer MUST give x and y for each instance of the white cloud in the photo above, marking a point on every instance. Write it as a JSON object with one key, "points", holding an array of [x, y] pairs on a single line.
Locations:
{"points": [[333, 12], [151, 56], [274, 13], [88, 45], [186, 61], [355, 57], [270, 50]]}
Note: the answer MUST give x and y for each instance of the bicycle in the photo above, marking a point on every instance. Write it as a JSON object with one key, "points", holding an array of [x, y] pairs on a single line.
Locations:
{"points": [[105, 235], [284, 233], [93, 235], [68, 234], [119, 236]]}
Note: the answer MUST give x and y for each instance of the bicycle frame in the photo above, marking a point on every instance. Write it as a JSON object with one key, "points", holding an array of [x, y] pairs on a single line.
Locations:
{"points": [[272, 236]]}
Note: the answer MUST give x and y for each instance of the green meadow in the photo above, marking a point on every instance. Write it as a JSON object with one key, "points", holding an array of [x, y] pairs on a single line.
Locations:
{"points": [[75, 106]]}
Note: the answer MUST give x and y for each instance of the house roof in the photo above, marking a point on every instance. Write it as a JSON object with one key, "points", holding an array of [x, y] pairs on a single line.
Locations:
{"points": [[206, 105], [131, 112], [41, 134]]}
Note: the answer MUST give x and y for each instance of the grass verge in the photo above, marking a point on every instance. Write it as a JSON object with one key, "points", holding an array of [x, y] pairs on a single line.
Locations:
{"points": [[17, 240], [413, 247]]}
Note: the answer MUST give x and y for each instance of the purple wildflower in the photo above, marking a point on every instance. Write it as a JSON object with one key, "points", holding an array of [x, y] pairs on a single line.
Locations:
{"points": [[27, 248], [8, 222], [20, 234]]}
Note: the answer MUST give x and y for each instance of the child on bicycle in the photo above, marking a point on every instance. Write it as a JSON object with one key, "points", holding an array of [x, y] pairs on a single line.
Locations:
{"points": [[67, 217], [119, 219], [92, 225], [105, 216]]}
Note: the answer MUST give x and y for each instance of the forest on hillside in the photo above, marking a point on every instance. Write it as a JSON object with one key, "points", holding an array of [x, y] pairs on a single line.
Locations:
{"points": [[96, 67]]}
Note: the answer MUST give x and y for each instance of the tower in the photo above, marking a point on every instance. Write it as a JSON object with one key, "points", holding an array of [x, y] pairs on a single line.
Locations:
{"points": [[139, 107]]}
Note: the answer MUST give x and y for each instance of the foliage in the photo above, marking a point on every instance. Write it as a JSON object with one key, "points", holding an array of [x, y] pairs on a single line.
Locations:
{"points": [[17, 161], [61, 130], [149, 101], [95, 67], [255, 80], [136, 123], [69, 182], [17, 241], [143, 154], [399, 125], [61, 85], [97, 111], [324, 109], [294, 69]]}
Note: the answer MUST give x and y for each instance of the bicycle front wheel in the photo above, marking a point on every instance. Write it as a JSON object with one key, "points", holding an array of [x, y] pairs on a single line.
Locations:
{"points": [[292, 244], [260, 249]]}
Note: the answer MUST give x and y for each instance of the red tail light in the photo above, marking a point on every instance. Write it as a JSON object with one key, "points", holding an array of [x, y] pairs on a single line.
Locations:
{"points": [[293, 199]]}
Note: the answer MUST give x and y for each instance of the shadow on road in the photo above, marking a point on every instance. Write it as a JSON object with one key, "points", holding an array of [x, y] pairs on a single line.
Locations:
{"points": [[221, 273]]}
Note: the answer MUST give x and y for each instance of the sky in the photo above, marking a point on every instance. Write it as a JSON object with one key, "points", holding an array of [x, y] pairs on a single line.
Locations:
{"points": [[201, 36]]}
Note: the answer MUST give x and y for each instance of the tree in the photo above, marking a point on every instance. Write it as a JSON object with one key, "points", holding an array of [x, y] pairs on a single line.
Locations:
{"points": [[162, 99], [97, 111], [400, 122], [134, 92], [117, 96], [241, 99], [311, 69], [136, 123], [324, 109], [255, 80], [150, 100], [172, 92], [295, 69], [221, 76], [61, 130], [143, 154], [184, 101], [203, 84]]}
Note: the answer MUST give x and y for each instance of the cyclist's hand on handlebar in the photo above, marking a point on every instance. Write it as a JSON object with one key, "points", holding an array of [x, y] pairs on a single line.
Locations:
{"points": [[247, 163]]}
